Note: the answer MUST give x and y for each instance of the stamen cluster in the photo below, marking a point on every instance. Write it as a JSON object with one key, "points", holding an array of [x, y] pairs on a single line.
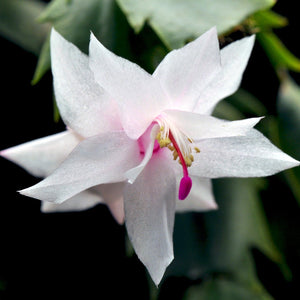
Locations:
{"points": [[183, 142]]}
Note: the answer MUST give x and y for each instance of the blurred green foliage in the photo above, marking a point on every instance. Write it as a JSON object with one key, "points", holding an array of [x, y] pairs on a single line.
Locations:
{"points": [[212, 249], [176, 21]]}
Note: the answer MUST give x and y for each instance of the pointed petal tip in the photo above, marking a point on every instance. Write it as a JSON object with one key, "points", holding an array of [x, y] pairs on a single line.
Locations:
{"points": [[214, 206], [92, 36], [120, 221], [251, 38], [210, 205], [253, 121], [25, 192], [117, 211], [11, 154], [95, 43], [8, 153], [37, 193], [157, 275], [3, 153], [55, 35], [213, 31], [292, 162], [249, 42], [295, 162], [286, 162]]}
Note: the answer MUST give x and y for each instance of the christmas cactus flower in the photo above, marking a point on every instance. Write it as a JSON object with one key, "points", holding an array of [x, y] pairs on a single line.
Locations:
{"points": [[147, 141]]}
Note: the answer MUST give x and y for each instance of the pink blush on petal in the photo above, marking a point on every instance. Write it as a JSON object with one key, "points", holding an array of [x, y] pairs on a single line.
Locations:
{"points": [[156, 146], [144, 140]]}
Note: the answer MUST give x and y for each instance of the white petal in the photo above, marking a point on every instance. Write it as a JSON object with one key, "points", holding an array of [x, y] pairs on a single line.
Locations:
{"points": [[252, 155], [198, 126], [112, 195], [109, 194], [96, 160], [42, 156], [79, 202], [185, 72], [234, 60], [201, 197], [133, 173], [83, 104], [117, 210], [149, 215], [139, 96]]}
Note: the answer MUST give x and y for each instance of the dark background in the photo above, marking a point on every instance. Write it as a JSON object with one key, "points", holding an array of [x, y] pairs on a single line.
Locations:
{"points": [[77, 254]]}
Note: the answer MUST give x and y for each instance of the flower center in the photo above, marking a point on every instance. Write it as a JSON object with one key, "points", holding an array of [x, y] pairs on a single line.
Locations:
{"points": [[180, 145]]}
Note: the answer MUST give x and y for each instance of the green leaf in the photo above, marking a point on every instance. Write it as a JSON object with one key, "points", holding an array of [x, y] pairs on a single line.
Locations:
{"points": [[243, 284], [44, 62], [239, 223], [176, 21], [288, 106], [241, 101], [223, 289], [225, 110], [76, 19], [247, 103], [18, 23], [268, 19], [278, 54]]}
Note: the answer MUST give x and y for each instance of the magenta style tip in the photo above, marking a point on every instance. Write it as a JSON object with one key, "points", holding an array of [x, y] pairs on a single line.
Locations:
{"points": [[184, 187]]}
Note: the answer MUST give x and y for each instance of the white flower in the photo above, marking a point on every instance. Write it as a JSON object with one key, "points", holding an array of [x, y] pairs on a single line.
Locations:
{"points": [[132, 130]]}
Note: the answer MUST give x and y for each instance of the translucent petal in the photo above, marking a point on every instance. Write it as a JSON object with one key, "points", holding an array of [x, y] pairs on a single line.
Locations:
{"points": [[138, 95], [198, 126], [252, 155], [112, 195], [42, 156], [185, 72], [117, 210], [83, 104], [149, 215], [96, 160], [109, 194], [79, 202], [133, 173], [234, 58]]}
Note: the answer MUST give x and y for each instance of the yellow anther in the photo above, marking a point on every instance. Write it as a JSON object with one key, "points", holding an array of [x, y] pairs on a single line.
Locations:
{"points": [[197, 149], [163, 140], [175, 154], [188, 161]]}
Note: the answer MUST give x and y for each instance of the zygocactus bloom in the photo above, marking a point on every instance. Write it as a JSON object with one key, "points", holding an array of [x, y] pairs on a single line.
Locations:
{"points": [[151, 136]]}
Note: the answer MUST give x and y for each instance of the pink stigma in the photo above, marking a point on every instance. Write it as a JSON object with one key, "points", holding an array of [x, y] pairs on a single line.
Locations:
{"points": [[184, 187], [186, 182]]}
